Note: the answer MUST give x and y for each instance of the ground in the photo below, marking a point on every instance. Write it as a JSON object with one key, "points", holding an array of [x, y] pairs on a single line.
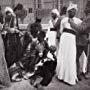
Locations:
{"points": [[54, 85]]}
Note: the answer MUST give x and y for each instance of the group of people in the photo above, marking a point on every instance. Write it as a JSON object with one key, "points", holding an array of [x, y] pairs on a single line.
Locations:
{"points": [[71, 37], [24, 55], [40, 54], [10, 44]]}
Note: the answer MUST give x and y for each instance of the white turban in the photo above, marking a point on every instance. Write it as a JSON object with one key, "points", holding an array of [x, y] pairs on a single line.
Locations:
{"points": [[8, 9], [72, 6], [55, 11]]}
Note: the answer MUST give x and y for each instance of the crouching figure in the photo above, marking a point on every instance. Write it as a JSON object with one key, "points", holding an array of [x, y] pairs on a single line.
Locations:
{"points": [[45, 70]]}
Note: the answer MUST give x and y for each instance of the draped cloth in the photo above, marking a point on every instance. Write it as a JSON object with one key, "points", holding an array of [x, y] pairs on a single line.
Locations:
{"points": [[66, 60], [13, 48]]}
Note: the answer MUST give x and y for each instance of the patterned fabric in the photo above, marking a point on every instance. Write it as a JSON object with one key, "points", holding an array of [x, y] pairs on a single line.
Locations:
{"points": [[4, 76], [12, 48]]}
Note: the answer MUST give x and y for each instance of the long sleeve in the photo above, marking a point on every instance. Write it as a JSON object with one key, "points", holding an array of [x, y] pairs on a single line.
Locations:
{"points": [[84, 27], [61, 27], [29, 27]]}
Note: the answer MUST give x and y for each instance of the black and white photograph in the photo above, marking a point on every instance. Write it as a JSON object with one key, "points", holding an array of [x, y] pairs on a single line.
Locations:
{"points": [[44, 44]]}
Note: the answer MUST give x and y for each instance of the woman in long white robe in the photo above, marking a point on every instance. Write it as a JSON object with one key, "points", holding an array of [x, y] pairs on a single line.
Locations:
{"points": [[66, 59], [52, 31]]}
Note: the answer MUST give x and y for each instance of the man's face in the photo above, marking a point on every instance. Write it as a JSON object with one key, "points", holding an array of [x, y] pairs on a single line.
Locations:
{"points": [[87, 11], [72, 13], [53, 15]]}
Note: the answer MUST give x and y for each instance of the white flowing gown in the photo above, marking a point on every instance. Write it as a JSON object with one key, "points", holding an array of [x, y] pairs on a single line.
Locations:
{"points": [[66, 59], [51, 35]]}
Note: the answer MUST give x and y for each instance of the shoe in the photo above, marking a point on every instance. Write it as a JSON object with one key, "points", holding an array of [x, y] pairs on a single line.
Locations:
{"points": [[28, 75], [79, 77], [39, 87], [32, 81], [16, 78], [84, 76]]}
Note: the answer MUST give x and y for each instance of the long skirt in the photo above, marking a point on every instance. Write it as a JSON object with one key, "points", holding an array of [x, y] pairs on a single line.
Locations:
{"points": [[4, 75], [52, 38], [66, 59], [13, 48]]}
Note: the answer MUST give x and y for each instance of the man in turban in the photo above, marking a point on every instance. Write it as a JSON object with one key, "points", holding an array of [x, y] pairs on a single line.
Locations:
{"points": [[53, 34]]}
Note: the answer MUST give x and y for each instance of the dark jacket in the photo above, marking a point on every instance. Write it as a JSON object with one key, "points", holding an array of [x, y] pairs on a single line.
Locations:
{"points": [[82, 37], [83, 31], [57, 28]]}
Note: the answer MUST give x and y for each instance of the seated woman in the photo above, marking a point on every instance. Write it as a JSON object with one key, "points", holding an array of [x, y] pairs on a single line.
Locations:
{"points": [[45, 69], [11, 40], [38, 49]]}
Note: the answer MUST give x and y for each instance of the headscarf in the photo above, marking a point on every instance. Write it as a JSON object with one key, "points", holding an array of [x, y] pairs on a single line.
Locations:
{"points": [[10, 10], [72, 6], [56, 12]]}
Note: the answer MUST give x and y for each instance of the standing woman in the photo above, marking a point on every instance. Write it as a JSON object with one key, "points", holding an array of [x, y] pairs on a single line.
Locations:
{"points": [[66, 59], [11, 40], [4, 75], [54, 25]]}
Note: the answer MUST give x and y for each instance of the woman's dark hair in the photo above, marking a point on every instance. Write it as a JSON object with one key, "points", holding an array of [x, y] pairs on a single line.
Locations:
{"points": [[38, 19], [63, 10], [7, 12], [18, 7]]}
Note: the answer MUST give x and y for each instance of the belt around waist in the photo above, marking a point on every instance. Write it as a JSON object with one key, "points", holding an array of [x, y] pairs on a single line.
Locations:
{"points": [[69, 31], [52, 29]]}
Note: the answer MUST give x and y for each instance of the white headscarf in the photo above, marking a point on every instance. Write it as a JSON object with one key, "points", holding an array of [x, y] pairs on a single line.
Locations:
{"points": [[71, 6], [10, 10], [56, 12]]}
